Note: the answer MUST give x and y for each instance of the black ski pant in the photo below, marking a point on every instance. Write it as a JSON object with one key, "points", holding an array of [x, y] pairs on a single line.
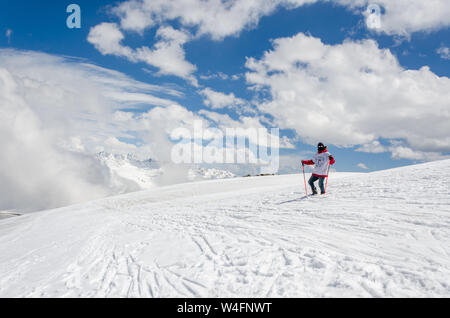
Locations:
{"points": [[321, 185]]}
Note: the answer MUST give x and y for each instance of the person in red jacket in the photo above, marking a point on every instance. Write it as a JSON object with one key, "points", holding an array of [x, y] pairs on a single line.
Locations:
{"points": [[321, 161]]}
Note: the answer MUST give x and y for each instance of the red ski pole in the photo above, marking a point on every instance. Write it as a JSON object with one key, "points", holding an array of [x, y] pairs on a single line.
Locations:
{"points": [[326, 183], [304, 178]]}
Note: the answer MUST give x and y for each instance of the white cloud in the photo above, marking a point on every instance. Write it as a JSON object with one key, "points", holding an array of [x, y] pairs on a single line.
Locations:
{"points": [[218, 100], [167, 54], [224, 121], [33, 172], [220, 19], [362, 166], [399, 150], [107, 38], [373, 147], [57, 111], [286, 143], [216, 18], [402, 152], [352, 94], [444, 52], [114, 145], [403, 17], [133, 16], [292, 163]]}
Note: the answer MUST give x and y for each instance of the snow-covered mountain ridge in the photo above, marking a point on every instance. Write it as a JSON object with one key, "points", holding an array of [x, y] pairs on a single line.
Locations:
{"points": [[382, 234], [147, 173]]}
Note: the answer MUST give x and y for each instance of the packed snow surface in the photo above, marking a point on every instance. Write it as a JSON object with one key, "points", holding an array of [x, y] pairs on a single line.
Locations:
{"points": [[383, 234]]}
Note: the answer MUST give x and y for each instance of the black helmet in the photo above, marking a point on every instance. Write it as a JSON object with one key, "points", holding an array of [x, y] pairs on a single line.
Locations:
{"points": [[321, 146]]}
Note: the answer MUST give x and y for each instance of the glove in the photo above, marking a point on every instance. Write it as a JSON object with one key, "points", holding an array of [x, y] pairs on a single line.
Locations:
{"points": [[331, 157], [303, 162]]}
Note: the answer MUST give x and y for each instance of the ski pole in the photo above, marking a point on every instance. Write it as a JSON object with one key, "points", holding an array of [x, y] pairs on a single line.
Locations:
{"points": [[304, 178], [326, 183]]}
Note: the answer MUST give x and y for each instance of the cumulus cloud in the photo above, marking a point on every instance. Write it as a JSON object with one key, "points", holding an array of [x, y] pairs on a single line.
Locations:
{"points": [[167, 55], [400, 151], [218, 100], [215, 18], [243, 125], [286, 143], [403, 17], [155, 126], [351, 94], [107, 38], [444, 52], [211, 17], [220, 19], [373, 147]]}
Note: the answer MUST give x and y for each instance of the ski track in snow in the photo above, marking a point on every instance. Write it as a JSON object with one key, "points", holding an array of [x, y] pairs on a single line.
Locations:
{"points": [[384, 234]]}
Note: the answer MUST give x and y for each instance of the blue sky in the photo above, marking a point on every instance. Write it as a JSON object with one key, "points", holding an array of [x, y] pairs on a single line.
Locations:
{"points": [[41, 26]]}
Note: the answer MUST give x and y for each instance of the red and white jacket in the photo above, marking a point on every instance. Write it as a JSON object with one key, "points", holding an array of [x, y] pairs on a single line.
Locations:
{"points": [[321, 162]]}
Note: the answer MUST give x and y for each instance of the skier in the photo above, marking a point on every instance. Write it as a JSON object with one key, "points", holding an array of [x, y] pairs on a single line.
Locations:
{"points": [[321, 161]]}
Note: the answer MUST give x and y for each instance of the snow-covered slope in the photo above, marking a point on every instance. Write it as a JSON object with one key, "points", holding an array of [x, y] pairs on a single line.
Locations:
{"points": [[208, 173], [380, 234]]}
